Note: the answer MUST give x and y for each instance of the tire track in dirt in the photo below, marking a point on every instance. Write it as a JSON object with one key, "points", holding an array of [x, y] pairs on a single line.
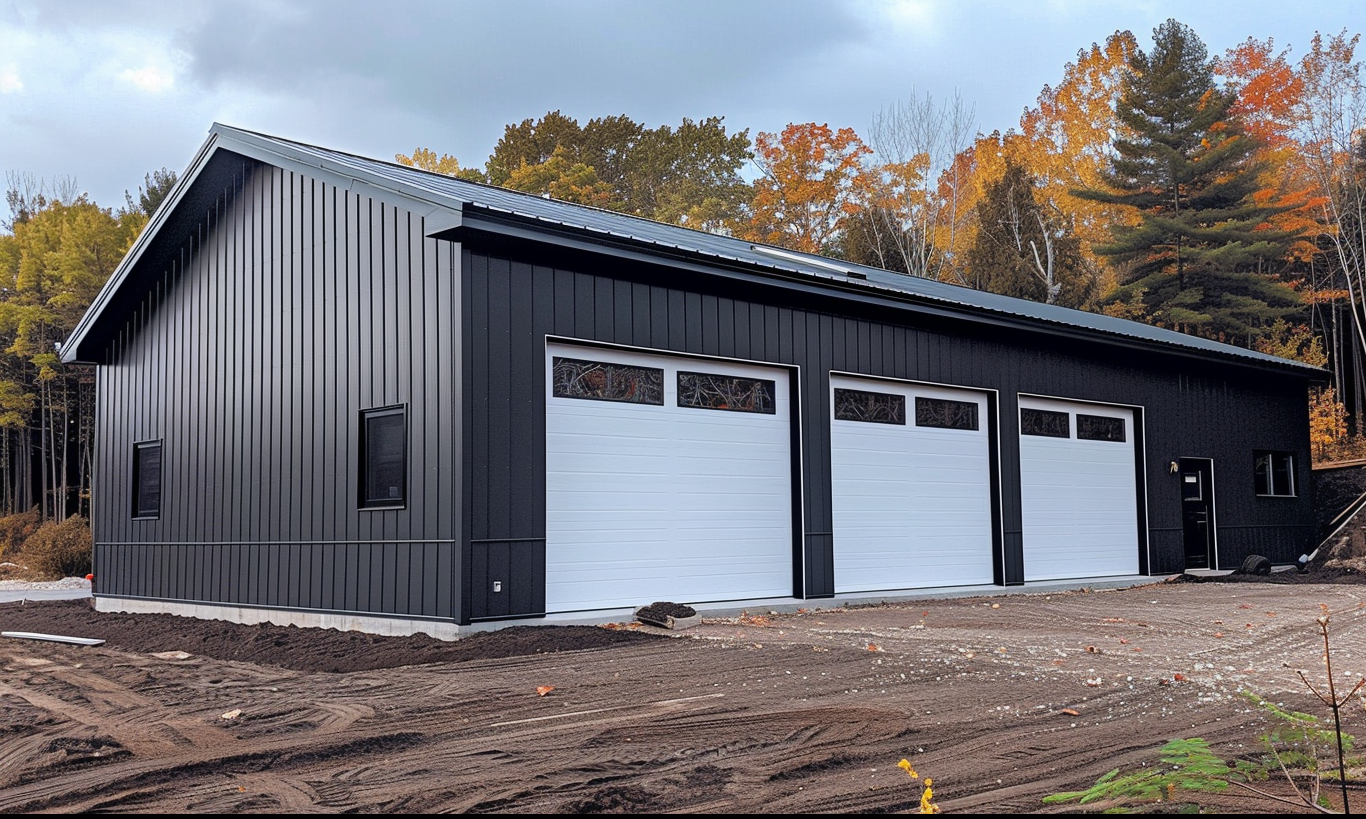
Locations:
{"points": [[799, 716], [145, 779]]}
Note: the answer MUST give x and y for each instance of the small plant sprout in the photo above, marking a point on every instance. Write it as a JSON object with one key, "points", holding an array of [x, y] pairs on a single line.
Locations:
{"points": [[1189, 764], [1333, 701], [927, 804], [1300, 730], [1184, 765]]}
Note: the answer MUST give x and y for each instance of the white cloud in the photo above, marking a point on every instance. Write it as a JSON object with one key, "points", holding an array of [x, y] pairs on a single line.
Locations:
{"points": [[10, 82], [911, 14], [149, 78]]}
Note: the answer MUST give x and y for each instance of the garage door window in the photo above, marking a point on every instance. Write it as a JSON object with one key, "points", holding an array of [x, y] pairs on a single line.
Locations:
{"points": [[604, 381], [725, 392], [870, 407], [941, 413], [1045, 423], [1100, 428], [1274, 473]]}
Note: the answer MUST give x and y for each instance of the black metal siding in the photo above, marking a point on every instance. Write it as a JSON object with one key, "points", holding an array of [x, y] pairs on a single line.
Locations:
{"points": [[516, 296], [293, 306]]}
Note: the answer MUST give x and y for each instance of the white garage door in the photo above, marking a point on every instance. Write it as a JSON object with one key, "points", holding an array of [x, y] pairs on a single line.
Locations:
{"points": [[911, 480], [1078, 490], [666, 479]]}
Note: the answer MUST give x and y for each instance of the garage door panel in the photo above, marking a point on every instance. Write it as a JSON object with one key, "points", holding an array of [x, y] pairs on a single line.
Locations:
{"points": [[654, 502], [912, 505], [1078, 498]]}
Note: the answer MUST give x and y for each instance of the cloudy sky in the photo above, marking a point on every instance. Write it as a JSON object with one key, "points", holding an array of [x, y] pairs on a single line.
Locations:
{"points": [[104, 92]]}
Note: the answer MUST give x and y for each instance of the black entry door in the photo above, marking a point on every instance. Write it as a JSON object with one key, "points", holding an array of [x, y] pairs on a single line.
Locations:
{"points": [[1197, 511]]}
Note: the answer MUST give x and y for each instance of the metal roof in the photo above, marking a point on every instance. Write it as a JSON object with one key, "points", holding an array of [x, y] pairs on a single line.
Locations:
{"points": [[464, 197]]}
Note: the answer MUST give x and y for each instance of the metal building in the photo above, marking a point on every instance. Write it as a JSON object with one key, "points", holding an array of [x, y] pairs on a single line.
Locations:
{"points": [[335, 390]]}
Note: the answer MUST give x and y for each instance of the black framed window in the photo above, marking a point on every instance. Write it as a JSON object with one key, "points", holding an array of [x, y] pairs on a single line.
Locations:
{"points": [[941, 413], [726, 392], [1100, 428], [870, 407], [384, 458], [605, 381], [1274, 473], [147, 479], [1045, 423]]}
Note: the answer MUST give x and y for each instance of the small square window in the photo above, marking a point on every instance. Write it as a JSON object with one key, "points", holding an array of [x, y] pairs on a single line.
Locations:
{"points": [[1274, 473], [147, 479], [384, 458]]}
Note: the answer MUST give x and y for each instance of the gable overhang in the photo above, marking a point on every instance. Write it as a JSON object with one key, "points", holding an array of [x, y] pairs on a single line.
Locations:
{"points": [[215, 169]]}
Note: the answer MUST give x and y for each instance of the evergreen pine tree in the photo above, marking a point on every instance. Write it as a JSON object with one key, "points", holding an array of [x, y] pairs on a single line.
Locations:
{"points": [[1184, 163], [1021, 251]]}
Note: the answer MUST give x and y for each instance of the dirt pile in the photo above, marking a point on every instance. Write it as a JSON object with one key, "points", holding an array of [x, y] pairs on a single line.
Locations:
{"points": [[300, 649]]}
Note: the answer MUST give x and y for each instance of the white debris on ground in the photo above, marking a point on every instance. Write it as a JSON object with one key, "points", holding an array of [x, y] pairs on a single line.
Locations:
{"points": [[47, 585]]}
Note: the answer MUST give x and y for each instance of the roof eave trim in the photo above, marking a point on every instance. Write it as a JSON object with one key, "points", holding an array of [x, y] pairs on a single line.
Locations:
{"points": [[500, 221]]}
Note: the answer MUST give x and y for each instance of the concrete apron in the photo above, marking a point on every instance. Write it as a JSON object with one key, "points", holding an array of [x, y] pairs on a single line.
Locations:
{"points": [[446, 630]]}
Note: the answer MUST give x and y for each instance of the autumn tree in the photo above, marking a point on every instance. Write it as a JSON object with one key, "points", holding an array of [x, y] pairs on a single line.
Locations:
{"points": [[684, 175], [1184, 165], [812, 183], [1269, 95], [689, 175], [51, 268], [426, 159], [1064, 143], [1329, 118], [532, 142], [914, 189], [1024, 250], [562, 178], [1067, 138]]}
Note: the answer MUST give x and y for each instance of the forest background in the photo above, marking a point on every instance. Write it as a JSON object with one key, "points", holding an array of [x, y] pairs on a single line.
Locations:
{"points": [[1219, 195]]}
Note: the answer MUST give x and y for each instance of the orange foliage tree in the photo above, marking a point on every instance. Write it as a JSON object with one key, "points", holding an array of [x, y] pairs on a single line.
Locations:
{"points": [[813, 182], [1269, 93], [1064, 144]]}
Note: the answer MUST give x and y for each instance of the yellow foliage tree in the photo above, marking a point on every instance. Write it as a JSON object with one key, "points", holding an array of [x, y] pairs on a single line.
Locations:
{"points": [[813, 181], [1328, 438], [561, 178], [1064, 144], [425, 159]]}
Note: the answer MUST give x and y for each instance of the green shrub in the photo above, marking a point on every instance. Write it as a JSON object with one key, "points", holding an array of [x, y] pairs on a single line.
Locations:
{"points": [[60, 550], [15, 529]]}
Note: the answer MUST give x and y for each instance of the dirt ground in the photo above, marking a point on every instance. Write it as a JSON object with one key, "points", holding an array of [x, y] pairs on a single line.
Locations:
{"points": [[1002, 700]]}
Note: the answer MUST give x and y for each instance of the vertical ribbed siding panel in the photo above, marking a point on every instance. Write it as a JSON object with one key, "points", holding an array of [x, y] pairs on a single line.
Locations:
{"points": [[525, 416], [478, 398], [497, 306], [288, 310], [680, 314], [331, 334]]}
